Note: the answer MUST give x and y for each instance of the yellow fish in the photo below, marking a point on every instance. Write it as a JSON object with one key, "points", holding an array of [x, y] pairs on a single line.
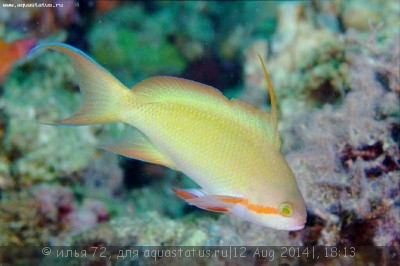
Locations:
{"points": [[226, 146]]}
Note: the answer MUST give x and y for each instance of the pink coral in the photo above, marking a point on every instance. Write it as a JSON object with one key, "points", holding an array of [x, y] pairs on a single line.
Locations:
{"points": [[88, 215], [55, 202]]}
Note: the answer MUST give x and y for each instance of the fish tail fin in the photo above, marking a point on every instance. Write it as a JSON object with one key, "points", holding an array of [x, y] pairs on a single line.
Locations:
{"points": [[103, 96]]}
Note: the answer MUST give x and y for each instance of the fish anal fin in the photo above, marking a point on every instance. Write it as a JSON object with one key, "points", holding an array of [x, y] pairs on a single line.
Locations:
{"points": [[136, 145], [187, 194], [215, 203], [215, 209]]}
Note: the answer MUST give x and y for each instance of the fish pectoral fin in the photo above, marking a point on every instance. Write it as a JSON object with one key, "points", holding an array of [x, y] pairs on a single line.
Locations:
{"points": [[136, 145], [216, 203]]}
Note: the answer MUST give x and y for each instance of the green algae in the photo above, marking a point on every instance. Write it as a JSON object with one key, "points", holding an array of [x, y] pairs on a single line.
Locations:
{"points": [[131, 50]]}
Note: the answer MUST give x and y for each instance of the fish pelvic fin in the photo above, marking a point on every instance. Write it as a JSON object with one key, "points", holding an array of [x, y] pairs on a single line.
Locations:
{"points": [[215, 203], [104, 97]]}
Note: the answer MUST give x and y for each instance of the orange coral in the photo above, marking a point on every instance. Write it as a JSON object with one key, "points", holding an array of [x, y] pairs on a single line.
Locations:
{"points": [[104, 6], [11, 52]]}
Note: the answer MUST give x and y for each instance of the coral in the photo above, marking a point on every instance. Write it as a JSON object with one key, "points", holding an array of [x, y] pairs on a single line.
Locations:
{"points": [[6, 182], [47, 214], [22, 223], [37, 97], [10, 53], [351, 191], [353, 188], [315, 71], [50, 20], [373, 13], [87, 216], [164, 37], [322, 74], [102, 178], [60, 205], [104, 6], [121, 33], [313, 68], [152, 229]]}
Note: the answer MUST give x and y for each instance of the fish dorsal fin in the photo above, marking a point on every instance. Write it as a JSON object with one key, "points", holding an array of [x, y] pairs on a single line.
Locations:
{"points": [[171, 89], [273, 116], [136, 145]]}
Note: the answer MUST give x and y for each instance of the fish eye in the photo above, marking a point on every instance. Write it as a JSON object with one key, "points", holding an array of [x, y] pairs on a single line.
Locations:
{"points": [[286, 209]]}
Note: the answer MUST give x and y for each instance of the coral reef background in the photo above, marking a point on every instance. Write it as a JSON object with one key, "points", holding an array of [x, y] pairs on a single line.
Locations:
{"points": [[335, 69]]}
